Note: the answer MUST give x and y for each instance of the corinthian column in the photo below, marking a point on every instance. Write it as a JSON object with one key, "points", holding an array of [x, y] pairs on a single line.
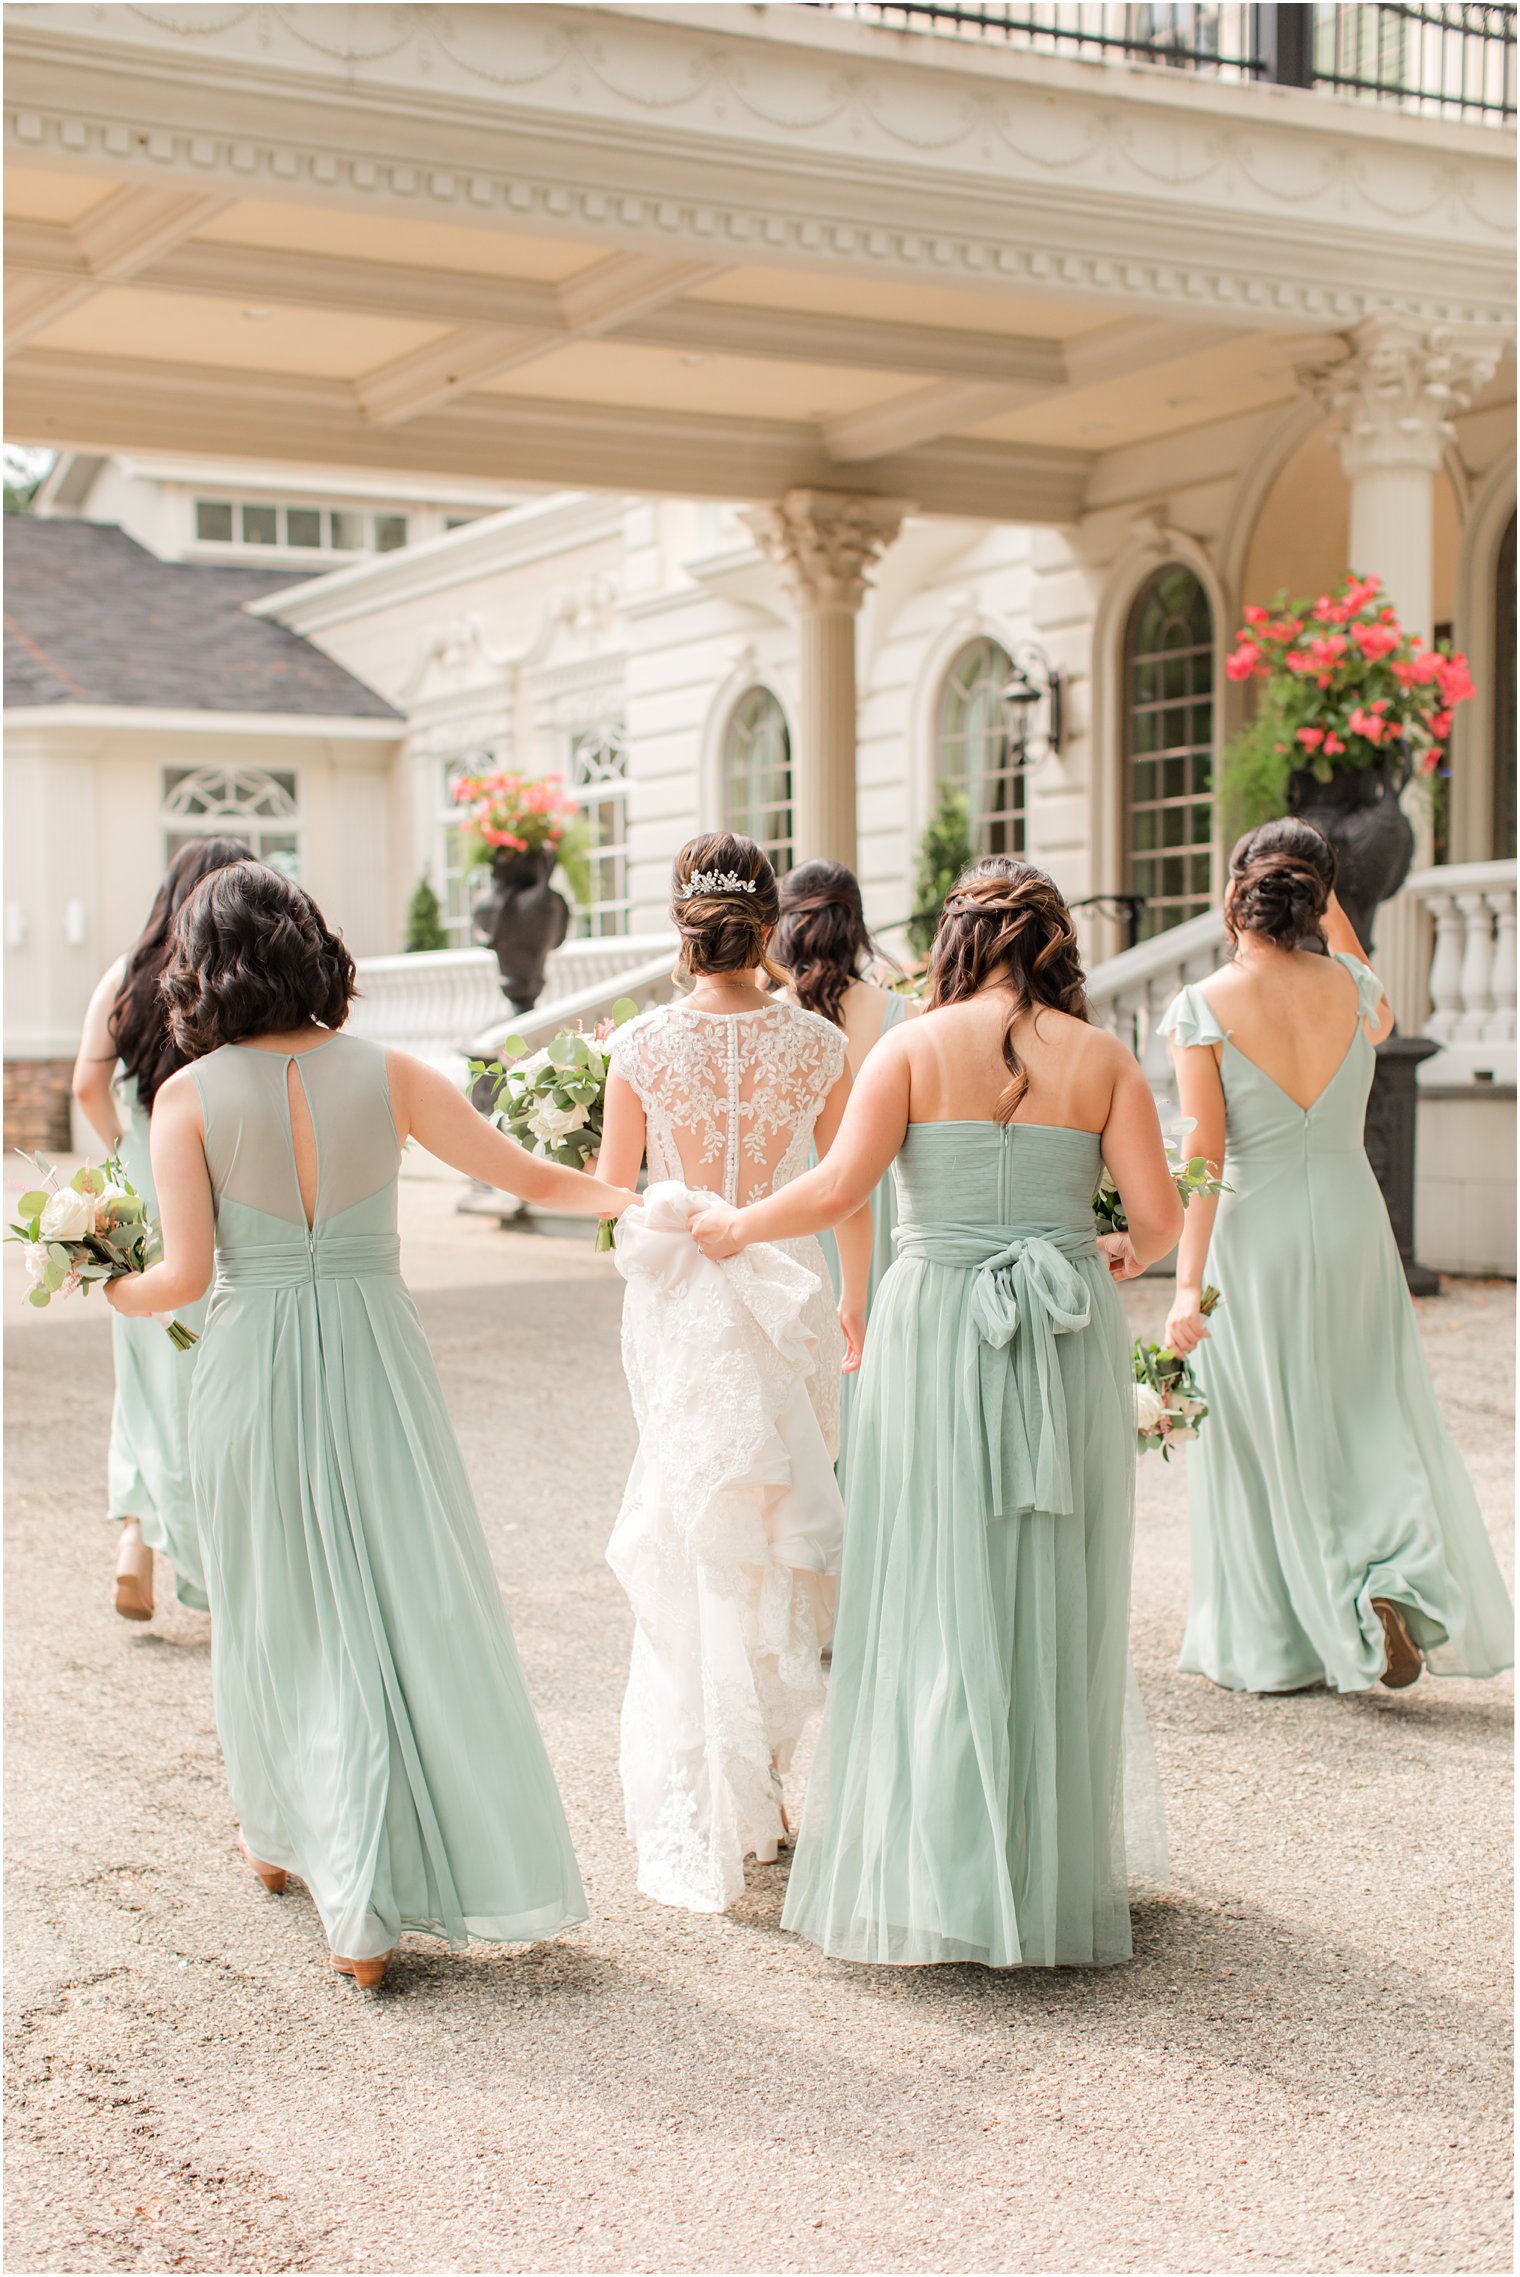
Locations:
{"points": [[1392, 401], [825, 541]]}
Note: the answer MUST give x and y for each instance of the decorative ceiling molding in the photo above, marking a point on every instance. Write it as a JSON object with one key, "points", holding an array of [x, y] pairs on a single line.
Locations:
{"points": [[121, 236], [1019, 172], [112, 403]]}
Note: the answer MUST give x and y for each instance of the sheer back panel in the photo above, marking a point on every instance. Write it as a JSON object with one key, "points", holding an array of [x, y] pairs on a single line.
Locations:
{"points": [[249, 1142], [730, 1098]]}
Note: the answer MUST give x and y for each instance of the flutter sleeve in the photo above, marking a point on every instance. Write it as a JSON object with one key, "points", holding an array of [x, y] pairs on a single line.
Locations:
{"points": [[1369, 989], [1188, 1019], [629, 1057]]}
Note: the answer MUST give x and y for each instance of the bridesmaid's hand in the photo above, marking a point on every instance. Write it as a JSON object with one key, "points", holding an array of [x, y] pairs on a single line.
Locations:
{"points": [[1186, 1323], [1118, 1253], [854, 1325], [717, 1231]]}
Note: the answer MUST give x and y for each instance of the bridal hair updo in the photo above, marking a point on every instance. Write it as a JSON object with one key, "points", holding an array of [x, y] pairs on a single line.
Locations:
{"points": [[139, 1024], [724, 905], [1006, 925], [252, 956], [822, 938], [1281, 879]]}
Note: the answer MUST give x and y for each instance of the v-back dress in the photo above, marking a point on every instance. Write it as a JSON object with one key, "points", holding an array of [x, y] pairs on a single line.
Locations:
{"points": [[728, 1537], [1324, 1476], [148, 1470], [378, 1734], [967, 1800]]}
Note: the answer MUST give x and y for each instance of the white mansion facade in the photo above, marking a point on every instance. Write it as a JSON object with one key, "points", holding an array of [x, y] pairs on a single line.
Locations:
{"points": [[732, 449]]}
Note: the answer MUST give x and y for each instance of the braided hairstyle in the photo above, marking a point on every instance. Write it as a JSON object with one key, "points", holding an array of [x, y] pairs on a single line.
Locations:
{"points": [[822, 938], [724, 932], [1006, 925], [139, 1025], [252, 955], [1281, 879]]}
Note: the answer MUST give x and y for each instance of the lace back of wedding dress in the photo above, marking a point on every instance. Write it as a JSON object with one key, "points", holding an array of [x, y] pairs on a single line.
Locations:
{"points": [[730, 1098]]}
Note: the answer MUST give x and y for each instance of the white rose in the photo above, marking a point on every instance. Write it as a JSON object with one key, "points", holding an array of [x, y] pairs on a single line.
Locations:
{"points": [[554, 1124], [36, 1263], [67, 1216], [1149, 1410]]}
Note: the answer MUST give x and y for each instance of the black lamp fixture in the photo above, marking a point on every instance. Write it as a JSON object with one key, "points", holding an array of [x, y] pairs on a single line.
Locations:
{"points": [[1032, 706]]}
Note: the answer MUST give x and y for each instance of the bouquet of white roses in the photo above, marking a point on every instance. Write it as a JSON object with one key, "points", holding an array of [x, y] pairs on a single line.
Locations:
{"points": [[1191, 1176], [94, 1229], [551, 1101], [1169, 1406]]}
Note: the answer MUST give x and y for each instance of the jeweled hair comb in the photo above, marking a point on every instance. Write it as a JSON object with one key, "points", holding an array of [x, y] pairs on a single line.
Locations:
{"points": [[713, 881]]}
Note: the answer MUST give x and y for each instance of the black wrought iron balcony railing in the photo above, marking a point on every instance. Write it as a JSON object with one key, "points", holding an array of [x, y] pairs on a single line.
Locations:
{"points": [[1442, 61]]}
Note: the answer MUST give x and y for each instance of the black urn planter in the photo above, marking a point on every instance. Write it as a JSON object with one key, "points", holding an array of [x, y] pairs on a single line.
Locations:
{"points": [[1358, 810], [522, 920]]}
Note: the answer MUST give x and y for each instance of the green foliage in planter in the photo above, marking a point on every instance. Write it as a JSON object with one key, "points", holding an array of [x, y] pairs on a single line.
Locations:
{"points": [[943, 852], [424, 921]]}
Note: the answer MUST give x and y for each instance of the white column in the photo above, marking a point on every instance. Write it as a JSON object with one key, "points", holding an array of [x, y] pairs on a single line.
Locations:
{"points": [[1392, 400], [825, 541]]}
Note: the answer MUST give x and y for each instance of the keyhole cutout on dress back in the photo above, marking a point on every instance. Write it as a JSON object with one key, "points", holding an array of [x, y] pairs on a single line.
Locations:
{"points": [[303, 1140]]}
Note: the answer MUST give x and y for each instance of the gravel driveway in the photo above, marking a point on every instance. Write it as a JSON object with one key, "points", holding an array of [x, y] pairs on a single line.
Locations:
{"points": [[1306, 2067]]}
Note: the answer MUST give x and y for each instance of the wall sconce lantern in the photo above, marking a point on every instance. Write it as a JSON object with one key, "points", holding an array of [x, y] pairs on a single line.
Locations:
{"points": [[1032, 707]]}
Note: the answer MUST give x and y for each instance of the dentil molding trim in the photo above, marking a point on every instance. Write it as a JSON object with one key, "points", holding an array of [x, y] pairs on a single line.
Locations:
{"points": [[626, 127]]}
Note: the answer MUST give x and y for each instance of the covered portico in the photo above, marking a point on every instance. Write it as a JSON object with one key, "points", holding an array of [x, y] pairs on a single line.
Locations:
{"points": [[842, 272]]}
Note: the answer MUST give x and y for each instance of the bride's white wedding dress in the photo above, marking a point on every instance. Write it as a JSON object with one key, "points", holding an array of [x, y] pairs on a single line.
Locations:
{"points": [[729, 1533]]}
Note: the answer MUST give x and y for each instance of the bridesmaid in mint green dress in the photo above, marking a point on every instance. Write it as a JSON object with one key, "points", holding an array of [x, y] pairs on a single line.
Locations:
{"points": [[1336, 1538], [823, 941], [378, 1734], [125, 1054], [970, 1797]]}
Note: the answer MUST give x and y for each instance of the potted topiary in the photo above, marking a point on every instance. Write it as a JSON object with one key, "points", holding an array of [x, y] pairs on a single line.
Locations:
{"points": [[1349, 709], [523, 827]]}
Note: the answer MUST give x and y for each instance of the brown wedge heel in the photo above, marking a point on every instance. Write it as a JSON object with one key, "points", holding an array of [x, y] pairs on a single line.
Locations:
{"points": [[367, 1974], [1405, 1661]]}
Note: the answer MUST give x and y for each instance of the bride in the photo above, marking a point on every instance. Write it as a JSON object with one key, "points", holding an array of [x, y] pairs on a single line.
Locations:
{"points": [[729, 1534]]}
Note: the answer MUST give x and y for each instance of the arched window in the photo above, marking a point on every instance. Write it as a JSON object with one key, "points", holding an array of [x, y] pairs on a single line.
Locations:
{"points": [[757, 775], [234, 802], [1504, 699], [973, 750], [1169, 750]]}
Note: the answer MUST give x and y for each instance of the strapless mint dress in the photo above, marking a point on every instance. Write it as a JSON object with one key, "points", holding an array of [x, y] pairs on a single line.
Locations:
{"points": [[967, 1798], [1323, 1476], [378, 1734], [148, 1471]]}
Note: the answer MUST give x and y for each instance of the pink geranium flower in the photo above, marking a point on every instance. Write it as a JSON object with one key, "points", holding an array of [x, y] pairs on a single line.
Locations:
{"points": [[1311, 737], [1368, 724]]}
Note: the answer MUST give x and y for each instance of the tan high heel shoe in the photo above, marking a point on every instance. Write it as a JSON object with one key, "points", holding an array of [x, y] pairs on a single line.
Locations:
{"points": [[134, 1574], [274, 1878], [368, 1975], [1405, 1663]]}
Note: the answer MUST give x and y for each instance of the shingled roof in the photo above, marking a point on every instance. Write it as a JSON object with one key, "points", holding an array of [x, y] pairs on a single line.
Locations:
{"points": [[91, 617]]}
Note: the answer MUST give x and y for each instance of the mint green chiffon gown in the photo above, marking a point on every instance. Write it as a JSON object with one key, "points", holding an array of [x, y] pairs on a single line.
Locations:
{"points": [[883, 1224], [378, 1734], [1323, 1476], [148, 1467], [968, 1796]]}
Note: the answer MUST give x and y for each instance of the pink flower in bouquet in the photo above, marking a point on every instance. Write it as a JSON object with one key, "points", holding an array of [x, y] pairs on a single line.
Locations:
{"points": [[1376, 640]]}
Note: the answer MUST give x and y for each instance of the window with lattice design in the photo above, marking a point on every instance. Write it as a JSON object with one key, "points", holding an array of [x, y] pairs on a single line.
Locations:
{"points": [[598, 778], [974, 752], [757, 775], [1169, 750], [250, 803]]}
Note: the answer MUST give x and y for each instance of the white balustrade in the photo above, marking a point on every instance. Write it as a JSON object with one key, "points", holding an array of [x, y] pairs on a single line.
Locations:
{"points": [[437, 1003], [1472, 971]]}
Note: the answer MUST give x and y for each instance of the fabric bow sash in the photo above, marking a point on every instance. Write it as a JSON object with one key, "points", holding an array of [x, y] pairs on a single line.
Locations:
{"points": [[1025, 1293]]}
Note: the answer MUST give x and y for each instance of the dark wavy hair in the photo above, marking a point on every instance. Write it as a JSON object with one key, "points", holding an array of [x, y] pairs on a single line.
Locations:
{"points": [[252, 956], [822, 938], [1006, 925], [1281, 878], [139, 1025], [724, 932]]}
